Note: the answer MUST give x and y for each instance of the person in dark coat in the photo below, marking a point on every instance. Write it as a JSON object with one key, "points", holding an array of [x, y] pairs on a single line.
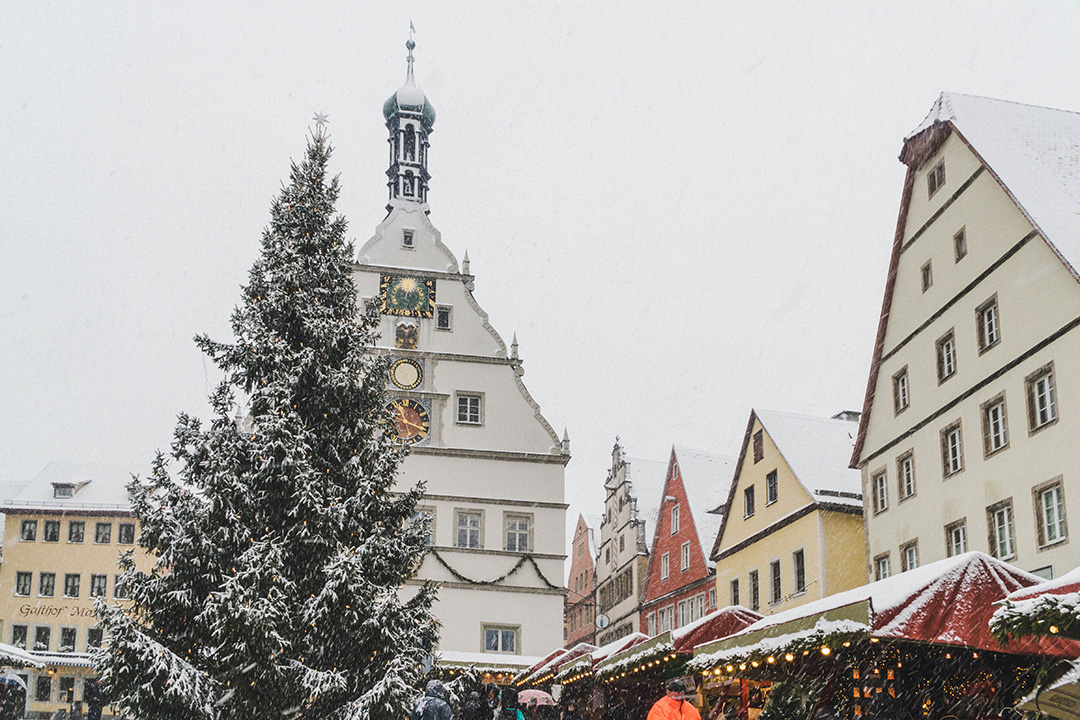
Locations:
{"points": [[473, 710], [508, 705], [432, 704], [571, 712], [94, 696]]}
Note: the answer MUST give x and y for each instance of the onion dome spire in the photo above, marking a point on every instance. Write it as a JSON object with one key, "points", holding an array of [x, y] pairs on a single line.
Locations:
{"points": [[410, 119]]}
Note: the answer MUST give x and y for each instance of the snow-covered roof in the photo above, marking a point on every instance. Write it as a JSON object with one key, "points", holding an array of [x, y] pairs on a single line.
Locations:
{"points": [[93, 486], [707, 479], [17, 657], [646, 479], [1035, 151], [818, 451], [593, 522], [482, 661], [1067, 583]]}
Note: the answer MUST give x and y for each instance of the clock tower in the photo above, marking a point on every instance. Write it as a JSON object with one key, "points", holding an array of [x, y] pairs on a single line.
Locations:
{"points": [[491, 464]]}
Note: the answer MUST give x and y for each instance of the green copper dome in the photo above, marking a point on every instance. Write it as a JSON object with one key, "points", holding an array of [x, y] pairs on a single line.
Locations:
{"points": [[409, 97]]}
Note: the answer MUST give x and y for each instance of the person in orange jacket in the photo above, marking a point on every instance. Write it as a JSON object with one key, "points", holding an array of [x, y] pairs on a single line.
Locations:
{"points": [[673, 706]]}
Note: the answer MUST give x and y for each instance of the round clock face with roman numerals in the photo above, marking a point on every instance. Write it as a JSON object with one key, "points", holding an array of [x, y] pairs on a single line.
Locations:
{"points": [[411, 420], [406, 373]]}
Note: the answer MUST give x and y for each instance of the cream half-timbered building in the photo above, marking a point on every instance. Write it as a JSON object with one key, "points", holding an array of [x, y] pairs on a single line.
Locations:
{"points": [[492, 464], [968, 438]]}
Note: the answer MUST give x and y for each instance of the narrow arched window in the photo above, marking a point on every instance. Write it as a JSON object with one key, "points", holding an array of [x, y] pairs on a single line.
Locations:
{"points": [[407, 184], [410, 143]]}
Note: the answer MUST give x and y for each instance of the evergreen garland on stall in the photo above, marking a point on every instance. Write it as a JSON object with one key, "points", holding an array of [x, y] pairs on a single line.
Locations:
{"points": [[278, 545]]}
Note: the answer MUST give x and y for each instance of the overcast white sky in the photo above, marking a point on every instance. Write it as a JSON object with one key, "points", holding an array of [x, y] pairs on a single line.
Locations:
{"points": [[684, 209]]}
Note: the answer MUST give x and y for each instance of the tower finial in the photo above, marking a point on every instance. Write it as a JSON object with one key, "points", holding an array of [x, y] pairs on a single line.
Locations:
{"points": [[410, 44]]}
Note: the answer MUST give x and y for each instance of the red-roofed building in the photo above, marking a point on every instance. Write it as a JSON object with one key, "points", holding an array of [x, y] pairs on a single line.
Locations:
{"points": [[580, 615]]}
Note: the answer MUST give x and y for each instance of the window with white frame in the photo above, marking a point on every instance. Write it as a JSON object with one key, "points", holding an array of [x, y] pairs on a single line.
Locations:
{"points": [[28, 530], [652, 624], [935, 179], [518, 532], [666, 619], [47, 584], [665, 566], [755, 591], [23, 583], [1041, 398], [946, 356], [98, 585], [712, 597], [798, 566], [1002, 538], [76, 531], [675, 519], [684, 557], [51, 531], [905, 475], [960, 244], [772, 488], [1050, 505], [901, 396], [879, 486], [909, 556], [776, 593], [956, 538], [71, 585], [444, 317], [952, 450], [995, 430], [469, 409], [989, 324], [407, 239], [501, 639], [102, 533], [469, 526], [882, 567]]}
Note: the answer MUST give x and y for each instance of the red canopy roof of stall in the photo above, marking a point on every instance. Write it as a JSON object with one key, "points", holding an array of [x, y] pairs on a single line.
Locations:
{"points": [[714, 626]]}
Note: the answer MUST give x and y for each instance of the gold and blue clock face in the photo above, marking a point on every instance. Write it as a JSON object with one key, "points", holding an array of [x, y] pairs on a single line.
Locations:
{"points": [[406, 373], [407, 296], [411, 420]]}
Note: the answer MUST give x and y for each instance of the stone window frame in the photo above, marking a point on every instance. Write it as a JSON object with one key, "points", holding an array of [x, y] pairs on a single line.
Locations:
{"points": [[458, 512], [408, 238], [749, 501], [754, 589], [24, 577], [1030, 383], [531, 525], [960, 248], [984, 415], [776, 582], [906, 459], [882, 560], [460, 395], [772, 487], [879, 491], [992, 528], [935, 178], [947, 466], [905, 565], [987, 309], [946, 340], [1037, 494], [733, 591], [901, 385], [798, 568], [449, 310], [500, 629], [951, 537], [926, 275]]}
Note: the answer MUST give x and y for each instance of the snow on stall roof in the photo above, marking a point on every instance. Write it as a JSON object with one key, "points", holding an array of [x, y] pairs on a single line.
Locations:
{"points": [[97, 486], [1035, 151], [707, 479], [616, 646], [646, 479], [485, 660], [818, 451], [1067, 583]]}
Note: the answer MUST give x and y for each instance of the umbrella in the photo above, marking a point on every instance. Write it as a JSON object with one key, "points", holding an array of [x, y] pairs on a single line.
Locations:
{"points": [[539, 697]]}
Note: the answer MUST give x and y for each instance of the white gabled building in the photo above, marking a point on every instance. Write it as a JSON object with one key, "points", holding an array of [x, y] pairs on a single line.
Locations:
{"points": [[492, 464], [968, 439]]}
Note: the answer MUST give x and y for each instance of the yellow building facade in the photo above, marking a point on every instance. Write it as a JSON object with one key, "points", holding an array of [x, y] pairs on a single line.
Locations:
{"points": [[792, 529], [63, 535]]}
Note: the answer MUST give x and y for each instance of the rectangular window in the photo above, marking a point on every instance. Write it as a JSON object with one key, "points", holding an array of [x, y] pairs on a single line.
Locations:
{"points": [[1050, 506], [712, 597], [581, 548], [989, 324], [468, 409], [125, 533], [927, 276], [518, 533], [98, 585], [684, 613], [43, 688], [444, 315], [772, 490], [909, 556], [652, 625], [23, 581], [748, 501], [935, 179], [665, 566], [956, 538], [755, 591], [468, 529], [67, 639], [995, 430], [103, 533], [759, 446], [960, 244], [798, 561], [1041, 398], [71, 585], [675, 520], [76, 531], [952, 450], [407, 239], [999, 518], [120, 590], [93, 638], [51, 532], [18, 636], [882, 569], [67, 690], [735, 592], [46, 584], [901, 398], [42, 638], [946, 356], [905, 473], [500, 639], [63, 490], [684, 557], [28, 530], [426, 515], [879, 486], [776, 592]]}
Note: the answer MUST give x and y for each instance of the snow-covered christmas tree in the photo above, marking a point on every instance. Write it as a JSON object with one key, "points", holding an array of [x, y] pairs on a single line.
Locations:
{"points": [[278, 542]]}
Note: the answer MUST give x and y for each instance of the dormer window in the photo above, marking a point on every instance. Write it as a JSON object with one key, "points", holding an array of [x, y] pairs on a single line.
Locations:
{"points": [[63, 490], [407, 239]]}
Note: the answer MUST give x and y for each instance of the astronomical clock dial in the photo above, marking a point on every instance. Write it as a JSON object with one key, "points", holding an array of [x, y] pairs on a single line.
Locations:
{"points": [[412, 423], [407, 296], [406, 373]]}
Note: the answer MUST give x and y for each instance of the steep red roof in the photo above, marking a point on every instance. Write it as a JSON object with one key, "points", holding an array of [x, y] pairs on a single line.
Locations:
{"points": [[714, 626]]}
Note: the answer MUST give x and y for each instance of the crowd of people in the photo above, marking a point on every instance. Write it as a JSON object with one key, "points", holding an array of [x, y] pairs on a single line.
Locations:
{"points": [[495, 703]]}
